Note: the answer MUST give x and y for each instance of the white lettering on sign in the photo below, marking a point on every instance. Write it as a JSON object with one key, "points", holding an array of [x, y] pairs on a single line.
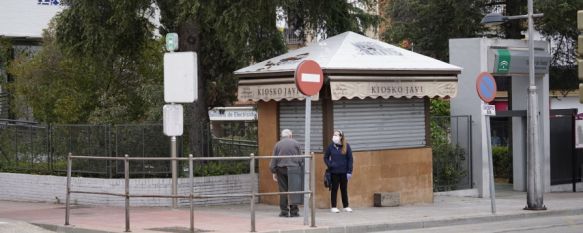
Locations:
{"points": [[488, 110], [311, 78]]}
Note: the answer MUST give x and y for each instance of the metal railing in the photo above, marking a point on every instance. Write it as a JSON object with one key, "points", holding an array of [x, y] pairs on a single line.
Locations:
{"points": [[192, 196]]}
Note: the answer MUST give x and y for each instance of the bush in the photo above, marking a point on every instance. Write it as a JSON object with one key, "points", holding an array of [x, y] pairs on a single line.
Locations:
{"points": [[217, 168], [447, 166], [502, 162], [448, 158]]}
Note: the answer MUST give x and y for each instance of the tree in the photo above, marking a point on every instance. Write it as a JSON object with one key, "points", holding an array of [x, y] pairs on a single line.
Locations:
{"points": [[559, 25], [429, 24], [230, 34], [111, 38], [93, 87]]}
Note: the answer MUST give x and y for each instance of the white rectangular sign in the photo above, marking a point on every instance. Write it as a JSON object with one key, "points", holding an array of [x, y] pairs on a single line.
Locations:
{"points": [[233, 114], [579, 134], [488, 110], [180, 77], [173, 119], [311, 78]]}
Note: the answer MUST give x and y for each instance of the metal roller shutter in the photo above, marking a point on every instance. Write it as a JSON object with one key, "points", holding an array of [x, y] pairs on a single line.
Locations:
{"points": [[373, 124], [292, 116]]}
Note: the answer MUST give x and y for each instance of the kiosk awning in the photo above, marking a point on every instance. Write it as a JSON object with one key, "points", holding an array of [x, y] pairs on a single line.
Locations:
{"points": [[269, 89], [409, 86], [357, 67]]}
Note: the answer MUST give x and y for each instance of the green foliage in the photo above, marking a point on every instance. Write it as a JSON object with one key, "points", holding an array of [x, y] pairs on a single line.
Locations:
{"points": [[63, 87], [5, 57], [439, 107], [429, 24], [105, 30], [220, 168], [559, 24], [448, 158], [502, 162], [563, 78], [330, 16], [101, 61]]}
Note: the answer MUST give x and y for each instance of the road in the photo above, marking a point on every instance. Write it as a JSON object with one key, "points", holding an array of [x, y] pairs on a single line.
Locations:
{"points": [[563, 224]]}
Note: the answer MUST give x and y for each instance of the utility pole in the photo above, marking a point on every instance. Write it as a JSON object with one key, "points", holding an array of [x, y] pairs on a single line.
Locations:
{"points": [[534, 188]]}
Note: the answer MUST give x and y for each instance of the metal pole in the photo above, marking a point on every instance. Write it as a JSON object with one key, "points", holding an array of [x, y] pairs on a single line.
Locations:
{"points": [[191, 178], [252, 173], [490, 166], [307, 152], [313, 189], [127, 191], [68, 198], [174, 170], [534, 190]]}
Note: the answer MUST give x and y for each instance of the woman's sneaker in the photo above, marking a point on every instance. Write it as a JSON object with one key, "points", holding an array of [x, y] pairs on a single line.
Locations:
{"points": [[335, 210], [348, 209]]}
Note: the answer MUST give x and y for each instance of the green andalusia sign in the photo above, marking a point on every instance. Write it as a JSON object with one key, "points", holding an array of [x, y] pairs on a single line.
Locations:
{"points": [[503, 61]]}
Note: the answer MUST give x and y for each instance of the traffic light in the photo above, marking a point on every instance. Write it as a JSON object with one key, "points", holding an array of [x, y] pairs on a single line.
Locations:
{"points": [[580, 53]]}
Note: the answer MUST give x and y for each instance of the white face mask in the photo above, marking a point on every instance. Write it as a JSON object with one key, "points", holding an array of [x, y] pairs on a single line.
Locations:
{"points": [[336, 139]]}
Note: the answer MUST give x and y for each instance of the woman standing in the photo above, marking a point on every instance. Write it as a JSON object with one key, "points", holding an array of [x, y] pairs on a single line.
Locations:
{"points": [[338, 159]]}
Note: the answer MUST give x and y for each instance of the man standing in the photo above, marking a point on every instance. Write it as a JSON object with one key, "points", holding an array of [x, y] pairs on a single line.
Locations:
{"points": [[287, 173]]}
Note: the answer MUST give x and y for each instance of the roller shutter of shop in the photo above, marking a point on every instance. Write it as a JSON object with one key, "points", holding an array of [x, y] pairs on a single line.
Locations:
{"points": [[292, 116], [374, 124]]}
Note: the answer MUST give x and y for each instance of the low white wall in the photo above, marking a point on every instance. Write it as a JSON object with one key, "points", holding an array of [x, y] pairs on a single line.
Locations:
{"points": [[24, 187]]}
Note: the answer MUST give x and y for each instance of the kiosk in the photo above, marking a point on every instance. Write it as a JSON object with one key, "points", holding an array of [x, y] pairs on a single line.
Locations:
{"points": [[378, 94]]}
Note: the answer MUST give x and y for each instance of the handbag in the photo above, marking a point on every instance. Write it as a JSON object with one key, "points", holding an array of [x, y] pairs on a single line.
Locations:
{"points": [[328, 179]]}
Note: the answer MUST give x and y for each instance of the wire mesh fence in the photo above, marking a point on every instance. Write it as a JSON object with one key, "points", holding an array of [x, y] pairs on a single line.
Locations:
{"points": [[29, 147], [452, 158], [24, 147]]}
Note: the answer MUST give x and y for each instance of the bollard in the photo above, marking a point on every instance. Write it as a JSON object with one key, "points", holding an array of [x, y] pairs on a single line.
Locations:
{"points": [[67, 208], [191, 177], [127, 190], [252, 172], [313, 189]]}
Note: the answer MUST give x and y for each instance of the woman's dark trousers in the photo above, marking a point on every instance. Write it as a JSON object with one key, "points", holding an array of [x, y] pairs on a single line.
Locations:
{"points": [[342, 181]]}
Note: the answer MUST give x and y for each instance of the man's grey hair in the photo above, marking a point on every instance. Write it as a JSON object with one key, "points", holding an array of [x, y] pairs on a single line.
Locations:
{"points": [[286, 133]]}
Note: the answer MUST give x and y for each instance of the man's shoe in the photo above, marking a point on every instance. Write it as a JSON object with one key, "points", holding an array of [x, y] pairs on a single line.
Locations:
{"points": [[282, 214], [335, 210], [294, 215], [348, 209]]}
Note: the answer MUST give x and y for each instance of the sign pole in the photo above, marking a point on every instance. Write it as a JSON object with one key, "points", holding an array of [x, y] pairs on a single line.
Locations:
{"points": [[486, 88], [309, 79], [307, 152], [174, 171], [490, 165]]}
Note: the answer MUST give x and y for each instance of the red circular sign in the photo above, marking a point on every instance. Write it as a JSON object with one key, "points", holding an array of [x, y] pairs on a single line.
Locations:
{"points": [[309, 77], [486, 87]]}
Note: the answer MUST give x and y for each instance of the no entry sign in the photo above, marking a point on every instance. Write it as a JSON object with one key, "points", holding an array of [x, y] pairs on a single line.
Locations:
{"points": [[309, 77], [486, 87]]}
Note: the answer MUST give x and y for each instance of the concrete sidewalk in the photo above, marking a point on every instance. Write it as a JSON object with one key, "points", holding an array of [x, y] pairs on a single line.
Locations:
{"points": [[446, 210]]}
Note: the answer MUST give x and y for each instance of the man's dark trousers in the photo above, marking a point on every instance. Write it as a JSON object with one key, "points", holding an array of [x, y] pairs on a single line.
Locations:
{"points": [[282, 183]]}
